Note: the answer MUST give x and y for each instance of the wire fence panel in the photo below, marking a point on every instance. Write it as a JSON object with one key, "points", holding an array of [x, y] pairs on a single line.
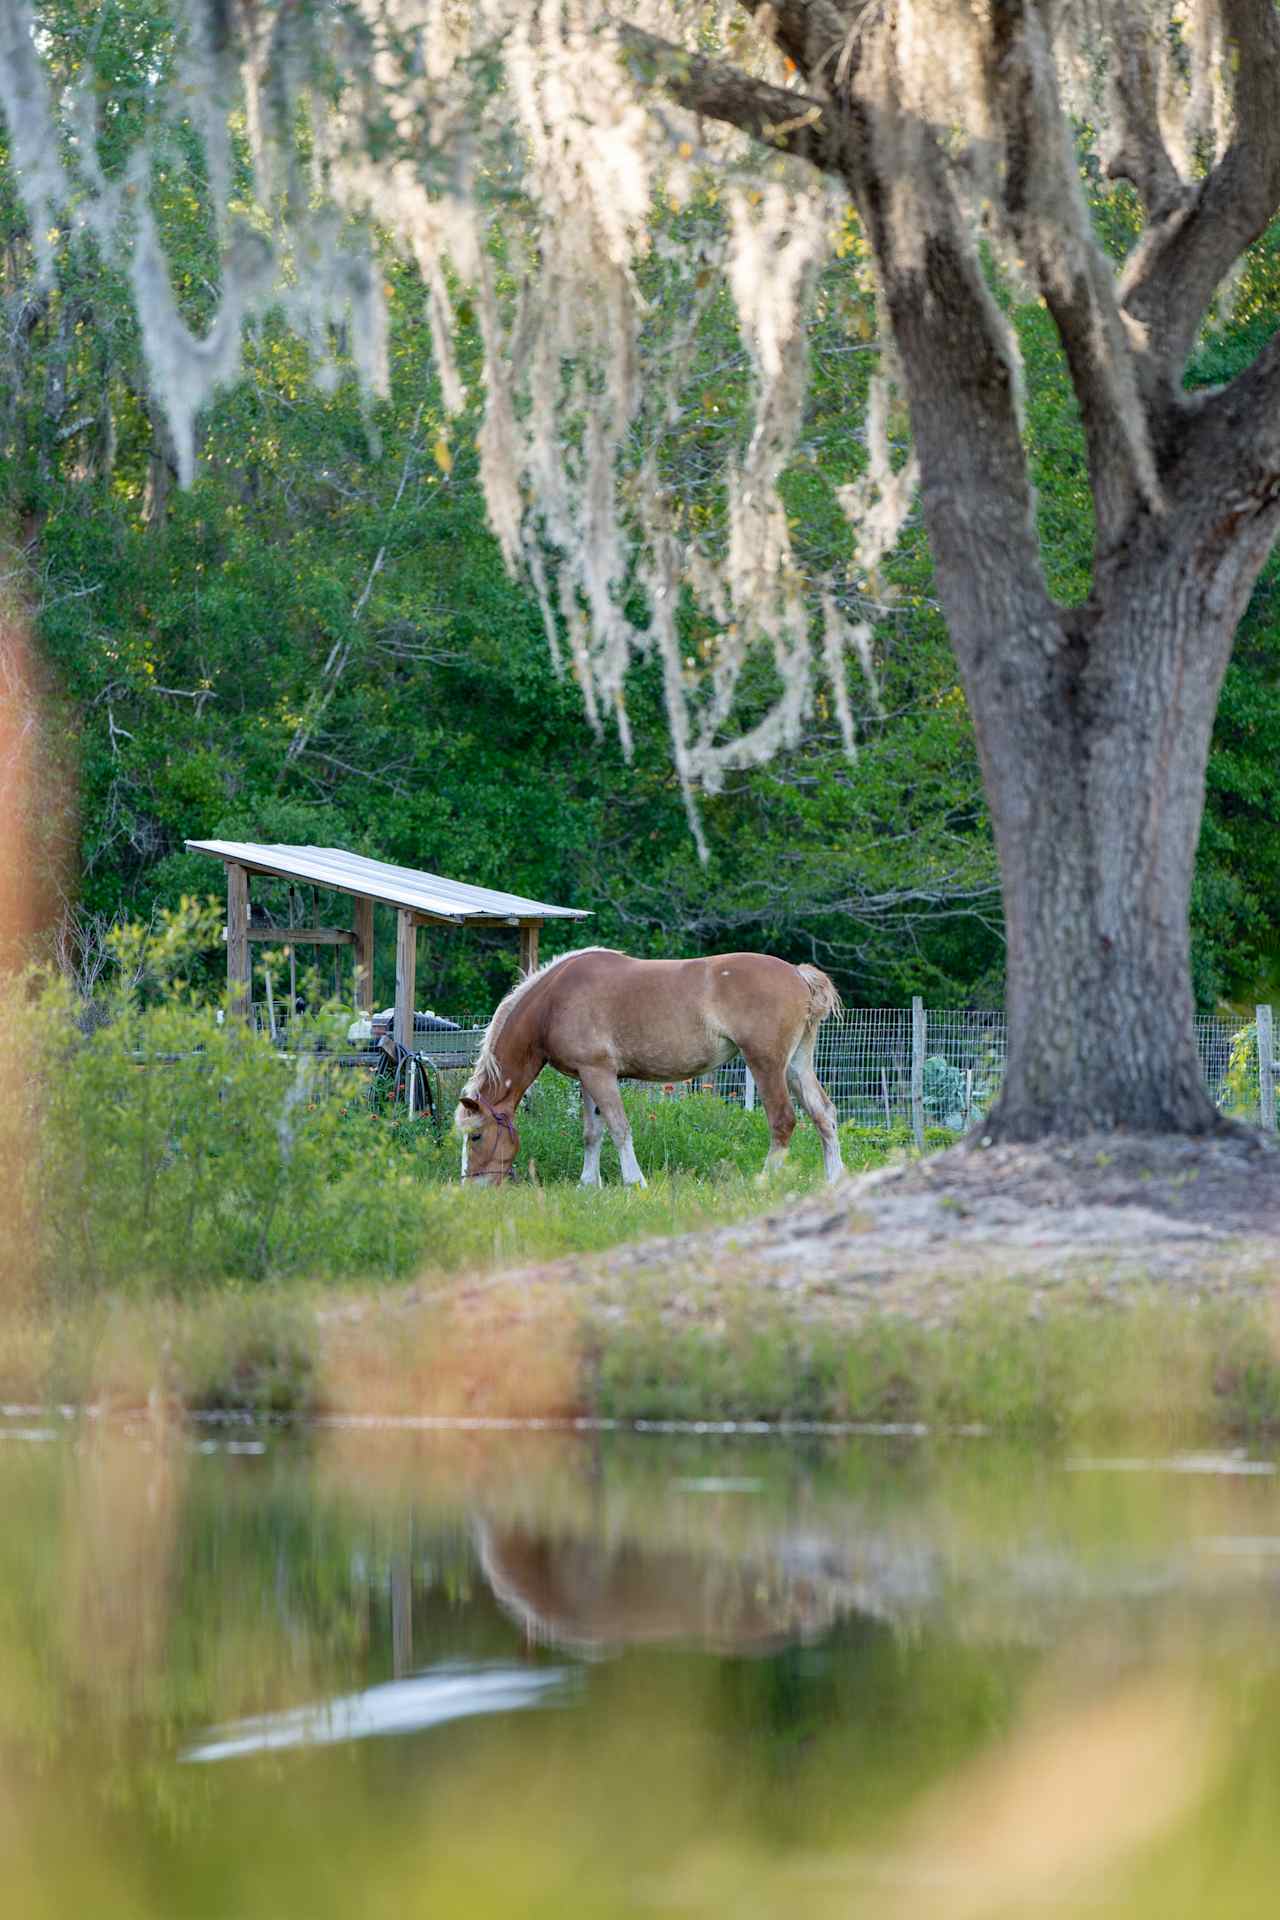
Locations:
{"points": [[1224, 1045], [864, 1060]]}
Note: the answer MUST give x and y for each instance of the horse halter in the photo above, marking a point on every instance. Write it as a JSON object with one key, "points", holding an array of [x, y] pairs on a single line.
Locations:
{"points": [[503, 1121]]}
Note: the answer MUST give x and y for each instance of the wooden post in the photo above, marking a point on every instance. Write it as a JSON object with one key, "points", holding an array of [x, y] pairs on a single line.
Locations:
{"points": [[529, 946], [748, 1088], [364, 956], [884, 1094], [406, 968], [917, 1069], [1266, 1069], [293, 961], [271, 1004], [238, 979]]}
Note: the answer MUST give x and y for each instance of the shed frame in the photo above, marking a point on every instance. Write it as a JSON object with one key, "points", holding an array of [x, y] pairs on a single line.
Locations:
{"points": [[420, 899]]}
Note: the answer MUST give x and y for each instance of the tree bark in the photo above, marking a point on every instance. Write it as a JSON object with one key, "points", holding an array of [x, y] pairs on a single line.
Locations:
{"points": [[1093, 724], [1094, 753]]}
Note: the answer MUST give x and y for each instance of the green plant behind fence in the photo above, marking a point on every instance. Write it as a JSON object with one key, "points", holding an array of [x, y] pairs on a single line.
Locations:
{"points": [[1240, 1092]]}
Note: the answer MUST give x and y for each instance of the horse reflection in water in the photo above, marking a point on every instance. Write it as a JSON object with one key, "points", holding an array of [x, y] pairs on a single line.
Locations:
{"points": [[586, 1597]]}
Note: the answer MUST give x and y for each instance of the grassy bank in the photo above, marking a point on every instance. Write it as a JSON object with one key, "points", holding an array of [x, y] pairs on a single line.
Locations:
{"points": [[1171, 1370], [1174, 1372]]}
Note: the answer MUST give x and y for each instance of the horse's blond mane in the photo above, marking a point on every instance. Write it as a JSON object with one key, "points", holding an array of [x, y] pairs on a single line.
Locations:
{"points": [[487, 1072]]}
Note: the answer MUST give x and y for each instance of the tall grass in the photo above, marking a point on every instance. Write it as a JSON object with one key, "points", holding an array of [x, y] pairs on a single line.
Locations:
{"points": [[157, 1148]]}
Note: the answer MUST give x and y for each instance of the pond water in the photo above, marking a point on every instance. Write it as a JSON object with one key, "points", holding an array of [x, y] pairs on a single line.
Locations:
{"points": [[363, 1671]]}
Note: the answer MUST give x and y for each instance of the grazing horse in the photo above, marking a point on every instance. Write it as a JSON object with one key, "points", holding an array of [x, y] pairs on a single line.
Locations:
{"points": [[601, 1016]]}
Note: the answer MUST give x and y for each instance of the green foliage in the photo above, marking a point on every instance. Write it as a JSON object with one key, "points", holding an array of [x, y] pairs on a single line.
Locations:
{"points": [[1241, 1090], [950, 1100], [188, 637], [176, 1151]]}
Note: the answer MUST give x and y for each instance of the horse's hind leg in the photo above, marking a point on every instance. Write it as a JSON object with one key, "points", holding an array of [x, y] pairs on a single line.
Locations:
{"points": [[808, 1091], [601, 1087], [592, 1141], [771, 1085]]}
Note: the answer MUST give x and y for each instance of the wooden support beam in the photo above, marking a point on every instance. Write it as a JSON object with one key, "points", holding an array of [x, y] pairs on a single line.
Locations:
{"points": [[238, 978], [406, 970], [364, 955], [529, 946], [304, 936]]}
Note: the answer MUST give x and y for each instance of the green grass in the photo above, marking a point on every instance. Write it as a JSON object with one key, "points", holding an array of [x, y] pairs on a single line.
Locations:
{"points": [[1171, 1373]]}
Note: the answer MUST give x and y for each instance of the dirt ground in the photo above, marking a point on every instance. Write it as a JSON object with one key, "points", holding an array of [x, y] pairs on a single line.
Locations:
{"points": [[1194, 1217]]}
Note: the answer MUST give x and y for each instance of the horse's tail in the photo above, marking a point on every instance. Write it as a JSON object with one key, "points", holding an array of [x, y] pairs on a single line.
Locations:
{"points": [[823, 998]]}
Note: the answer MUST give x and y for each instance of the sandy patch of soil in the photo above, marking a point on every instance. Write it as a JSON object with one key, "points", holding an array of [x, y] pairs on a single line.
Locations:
{"points": [[1195, 1217]]}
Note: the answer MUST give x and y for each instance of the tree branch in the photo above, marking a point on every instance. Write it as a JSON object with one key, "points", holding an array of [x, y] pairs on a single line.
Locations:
{"points": [[812, 33], [958, 361], [1237, 434], [1051, 222], [1142, 158], [794, 123], [1185, 254]]}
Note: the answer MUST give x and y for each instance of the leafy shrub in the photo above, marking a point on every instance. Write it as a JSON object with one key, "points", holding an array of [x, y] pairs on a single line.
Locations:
{"points": [[162, 1143]]}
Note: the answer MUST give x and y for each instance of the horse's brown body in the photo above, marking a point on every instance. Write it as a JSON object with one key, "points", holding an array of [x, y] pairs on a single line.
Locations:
{"points": [[601, 1016]]}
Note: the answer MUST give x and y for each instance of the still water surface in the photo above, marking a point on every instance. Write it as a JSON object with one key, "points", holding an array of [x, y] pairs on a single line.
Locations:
{"points": [[350, 1672]]}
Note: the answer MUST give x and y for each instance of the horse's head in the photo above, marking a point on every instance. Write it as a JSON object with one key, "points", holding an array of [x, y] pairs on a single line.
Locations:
{"points": [[490, 1140]]}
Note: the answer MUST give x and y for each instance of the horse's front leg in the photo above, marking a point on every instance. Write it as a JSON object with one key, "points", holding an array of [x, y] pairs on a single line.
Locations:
{"points": [[601, 1087], [592, 1141]]}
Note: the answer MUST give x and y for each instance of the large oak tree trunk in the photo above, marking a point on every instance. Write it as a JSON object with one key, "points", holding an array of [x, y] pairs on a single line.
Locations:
{"points": [[1094, 735]]}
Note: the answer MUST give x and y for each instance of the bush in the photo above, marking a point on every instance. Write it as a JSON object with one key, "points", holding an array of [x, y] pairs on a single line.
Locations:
{"points": [[162, 1146]]}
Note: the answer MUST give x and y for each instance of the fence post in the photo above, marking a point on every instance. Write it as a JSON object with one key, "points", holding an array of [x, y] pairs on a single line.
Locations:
{"points": [[748, 1088], [1266, 1069], [917, 1069], [239, 976]]}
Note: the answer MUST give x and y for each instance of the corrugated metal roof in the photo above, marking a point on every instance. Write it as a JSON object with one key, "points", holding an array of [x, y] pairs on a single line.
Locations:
{"points": [[425, 893]]}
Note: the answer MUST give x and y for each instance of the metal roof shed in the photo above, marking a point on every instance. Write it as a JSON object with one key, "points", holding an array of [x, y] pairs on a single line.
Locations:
{"points": [[420, 899]]}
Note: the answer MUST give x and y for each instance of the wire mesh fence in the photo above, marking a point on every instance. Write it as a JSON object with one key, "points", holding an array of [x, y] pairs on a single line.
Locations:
{"points": [[872, 1058]]}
